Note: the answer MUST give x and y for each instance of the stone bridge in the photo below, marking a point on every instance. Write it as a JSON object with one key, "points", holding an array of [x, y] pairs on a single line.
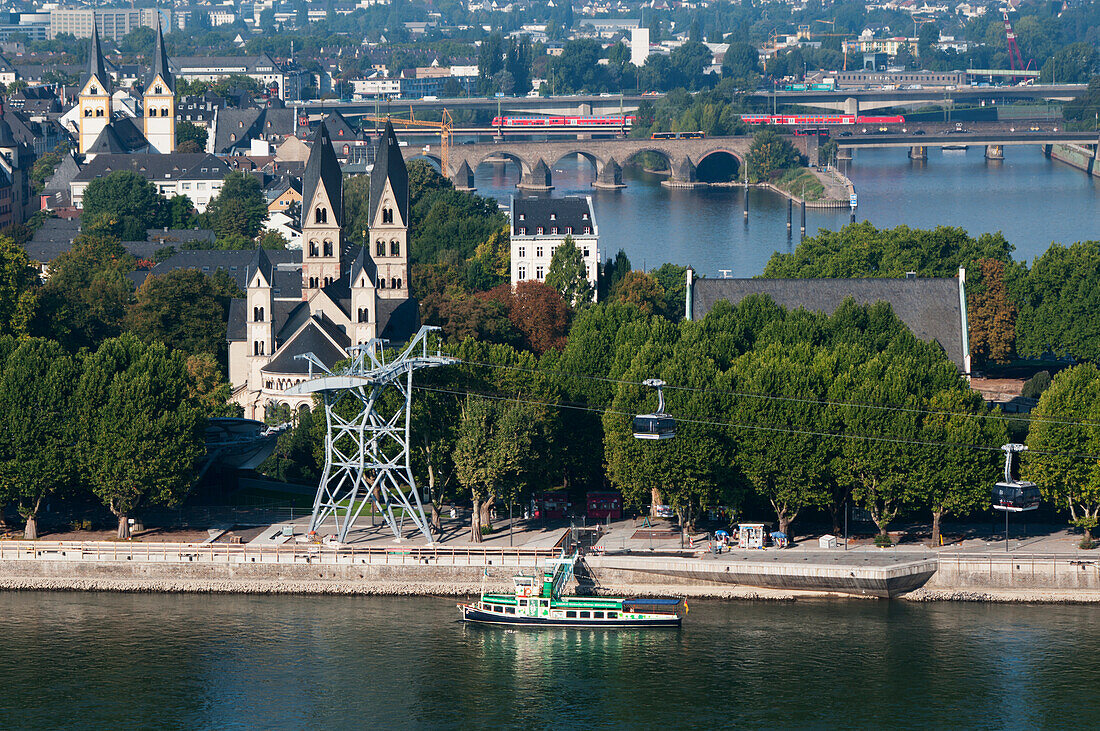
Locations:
{"points": [[536, 160]]}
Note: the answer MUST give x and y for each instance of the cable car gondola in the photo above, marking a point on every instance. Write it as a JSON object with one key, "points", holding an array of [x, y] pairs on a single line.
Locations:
{"points": [[658, 425], [1013, 495]]}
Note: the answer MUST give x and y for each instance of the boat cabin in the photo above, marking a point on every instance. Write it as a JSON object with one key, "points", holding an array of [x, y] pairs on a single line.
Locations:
{"points": [[604, 505]]}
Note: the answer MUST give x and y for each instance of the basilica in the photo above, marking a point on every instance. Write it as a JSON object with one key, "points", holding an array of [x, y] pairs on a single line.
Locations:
{"points": [[332, 294]]}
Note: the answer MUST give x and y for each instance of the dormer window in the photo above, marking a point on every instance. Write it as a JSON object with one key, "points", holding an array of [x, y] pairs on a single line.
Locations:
{"points": [[522, 217], [553, 217], [584, 216]]}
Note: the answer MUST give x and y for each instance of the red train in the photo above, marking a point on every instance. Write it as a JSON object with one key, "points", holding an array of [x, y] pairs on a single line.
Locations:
{"points": [[522, 122], [828, 119]]}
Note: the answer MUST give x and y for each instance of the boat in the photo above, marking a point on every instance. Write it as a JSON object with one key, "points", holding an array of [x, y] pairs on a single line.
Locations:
{"points": [[538, 602], [953, 148]]}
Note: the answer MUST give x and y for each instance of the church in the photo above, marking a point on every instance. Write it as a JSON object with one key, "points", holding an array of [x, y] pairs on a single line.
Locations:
{"points": [[331, 295], [103, 124]]}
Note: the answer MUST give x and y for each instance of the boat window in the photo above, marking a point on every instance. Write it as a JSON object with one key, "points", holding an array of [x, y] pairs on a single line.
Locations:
{"points": [[585, 615], [612, 615], [597, 615], [510, 610], [523, 602], [571, 614]]}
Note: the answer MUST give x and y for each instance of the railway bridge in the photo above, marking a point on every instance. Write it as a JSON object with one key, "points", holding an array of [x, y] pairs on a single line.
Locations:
{"points": [[536, 160]]}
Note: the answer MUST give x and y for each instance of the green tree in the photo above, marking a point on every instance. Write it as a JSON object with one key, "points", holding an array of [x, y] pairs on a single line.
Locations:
{"points": [[1063, 429], [141, 434], [191, 134], [1073, 64], [43, 169], [127, 203], [1057, 302], [357, 208], [18, 283], [181, 212], [36, 426], [239, 208], [181, 310], [992, 315], [769, 155], [568, 273], [641, 290]]}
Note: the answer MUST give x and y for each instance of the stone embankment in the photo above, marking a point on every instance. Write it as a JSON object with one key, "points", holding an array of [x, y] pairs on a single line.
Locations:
{"points": [[1077, 156]]}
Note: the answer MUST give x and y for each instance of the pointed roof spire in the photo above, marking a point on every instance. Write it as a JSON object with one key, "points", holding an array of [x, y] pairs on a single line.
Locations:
{"points": [[260, 263], [322, 168], [389, 164], [160, 62], [96, 66]]}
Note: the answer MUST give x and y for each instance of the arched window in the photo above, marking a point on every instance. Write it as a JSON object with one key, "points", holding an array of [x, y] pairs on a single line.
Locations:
{"points": [[393, 283], [320, 215], [387, 215], [313, 282], [313, 248], [152, 111], [93, 90], [158, 89], [395, 248], [399, 283], [87, 112], [257, 347], [328, 248], [257, 314], [346, 149], [381, 283], [99, 112], [363, 316], [380, 248], [164, 111]]}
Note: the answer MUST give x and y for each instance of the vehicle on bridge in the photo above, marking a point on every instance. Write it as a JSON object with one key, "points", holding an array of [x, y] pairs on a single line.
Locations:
{"points": [[796, 120], [677, 135], [542, 122]]}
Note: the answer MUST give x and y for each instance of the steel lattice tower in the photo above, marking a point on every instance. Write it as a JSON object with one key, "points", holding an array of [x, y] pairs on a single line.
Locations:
{"points": [[367, 435]]}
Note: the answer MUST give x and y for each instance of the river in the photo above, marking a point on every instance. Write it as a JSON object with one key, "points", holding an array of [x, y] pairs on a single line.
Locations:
{"points": [[1033, 200], [100, 660]]}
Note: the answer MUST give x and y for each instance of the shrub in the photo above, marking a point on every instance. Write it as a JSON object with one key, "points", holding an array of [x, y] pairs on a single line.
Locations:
{"points": [[883, 540], [1035, 385]]}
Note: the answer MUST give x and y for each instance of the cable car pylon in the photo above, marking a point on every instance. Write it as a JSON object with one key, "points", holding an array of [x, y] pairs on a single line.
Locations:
{"points": [[367, 437]]}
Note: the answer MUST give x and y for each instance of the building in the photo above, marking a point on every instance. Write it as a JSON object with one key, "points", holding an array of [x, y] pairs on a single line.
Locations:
{"points": [[159, 102], [197, 175], [639, 46], [261, 69], [113, 23], [335, 295], [540, 225], [933, 308], [16, 159]]}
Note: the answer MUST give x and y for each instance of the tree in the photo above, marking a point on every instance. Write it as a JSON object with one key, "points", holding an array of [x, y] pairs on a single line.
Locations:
{"points": [[141, 434], [957, 477], [641, 290], [689, 61], [43, 169], [742, 61], [86, 298], [36, 426], [357, 207], [992, 315], [18, 282], [1063, 429], [538, 312], [495, 255], [568, 273], [769, 155], [127, 202], [1057, 301], [189, 132], [1073, 64], [181, 212], [181, 310], [239, 207]]}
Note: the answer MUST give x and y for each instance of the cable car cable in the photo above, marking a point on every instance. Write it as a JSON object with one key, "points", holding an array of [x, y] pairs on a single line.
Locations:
{"points": [[751, 427], [793, 399]]}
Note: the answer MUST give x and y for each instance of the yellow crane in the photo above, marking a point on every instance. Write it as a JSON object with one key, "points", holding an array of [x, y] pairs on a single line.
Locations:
{"points": [[445, 127]]}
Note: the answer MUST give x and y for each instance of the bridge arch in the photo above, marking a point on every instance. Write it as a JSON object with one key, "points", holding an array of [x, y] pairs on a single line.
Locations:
{"points": [[668, 157], [434, 160], [596, 162], [714, 166], [524, 166]]}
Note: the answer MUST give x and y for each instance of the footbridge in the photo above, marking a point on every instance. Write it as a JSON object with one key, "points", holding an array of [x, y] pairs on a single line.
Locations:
{"points": [[536, 160]]}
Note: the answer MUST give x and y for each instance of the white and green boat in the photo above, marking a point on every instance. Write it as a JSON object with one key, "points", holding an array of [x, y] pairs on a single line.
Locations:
{"points": [[539, 603]]}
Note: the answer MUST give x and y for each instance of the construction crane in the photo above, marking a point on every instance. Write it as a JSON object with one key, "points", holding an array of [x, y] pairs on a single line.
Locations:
{"points": [[445, 128], [1015, 59]]}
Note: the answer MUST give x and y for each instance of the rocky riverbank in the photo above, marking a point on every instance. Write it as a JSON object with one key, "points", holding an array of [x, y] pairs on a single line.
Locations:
{"points": [[1004, 596]]}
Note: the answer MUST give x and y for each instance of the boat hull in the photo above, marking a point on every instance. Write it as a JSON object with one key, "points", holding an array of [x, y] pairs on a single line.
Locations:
{"points": [[471, 613]]}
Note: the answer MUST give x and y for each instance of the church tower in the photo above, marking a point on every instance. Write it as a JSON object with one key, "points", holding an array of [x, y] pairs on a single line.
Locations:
{"points": [[259, 315], [322, 215], [389, 218], [95, 96], [159, 102], [364, 305]]}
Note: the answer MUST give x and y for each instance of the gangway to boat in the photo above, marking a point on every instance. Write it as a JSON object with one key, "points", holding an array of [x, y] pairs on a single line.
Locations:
{"points": [[561, 570]]}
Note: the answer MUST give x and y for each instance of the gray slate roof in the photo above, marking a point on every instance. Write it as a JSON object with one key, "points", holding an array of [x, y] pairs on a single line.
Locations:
{"points": [[236, 263], [154, 167], [529, 213], [310, 340], [929, 306], [323, 168]]}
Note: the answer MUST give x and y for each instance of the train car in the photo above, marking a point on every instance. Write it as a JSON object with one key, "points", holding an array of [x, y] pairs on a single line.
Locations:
{"points": [[542, 122], [891, 119], [793, 120], [811, 132]]}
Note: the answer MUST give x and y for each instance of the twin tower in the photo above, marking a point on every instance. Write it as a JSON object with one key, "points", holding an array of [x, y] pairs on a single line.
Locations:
{"points": [[158, 101]]}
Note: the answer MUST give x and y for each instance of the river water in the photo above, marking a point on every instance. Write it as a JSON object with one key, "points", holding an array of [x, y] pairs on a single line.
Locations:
{"points": [[101, 660], [1033, 200]]}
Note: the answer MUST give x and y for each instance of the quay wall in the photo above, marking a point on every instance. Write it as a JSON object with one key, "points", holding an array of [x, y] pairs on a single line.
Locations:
{"points": [[1076, 156]]}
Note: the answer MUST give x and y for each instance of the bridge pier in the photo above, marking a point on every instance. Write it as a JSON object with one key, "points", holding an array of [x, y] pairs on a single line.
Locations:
{"points": [[994, 152], [918, 152], [464, 178], [538, 180], [844, 153], [683, 175], [610, 176]]}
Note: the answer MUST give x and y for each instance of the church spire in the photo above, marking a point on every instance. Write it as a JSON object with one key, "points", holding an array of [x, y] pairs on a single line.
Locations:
{"points": [[160, 62], [96, 66]]}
